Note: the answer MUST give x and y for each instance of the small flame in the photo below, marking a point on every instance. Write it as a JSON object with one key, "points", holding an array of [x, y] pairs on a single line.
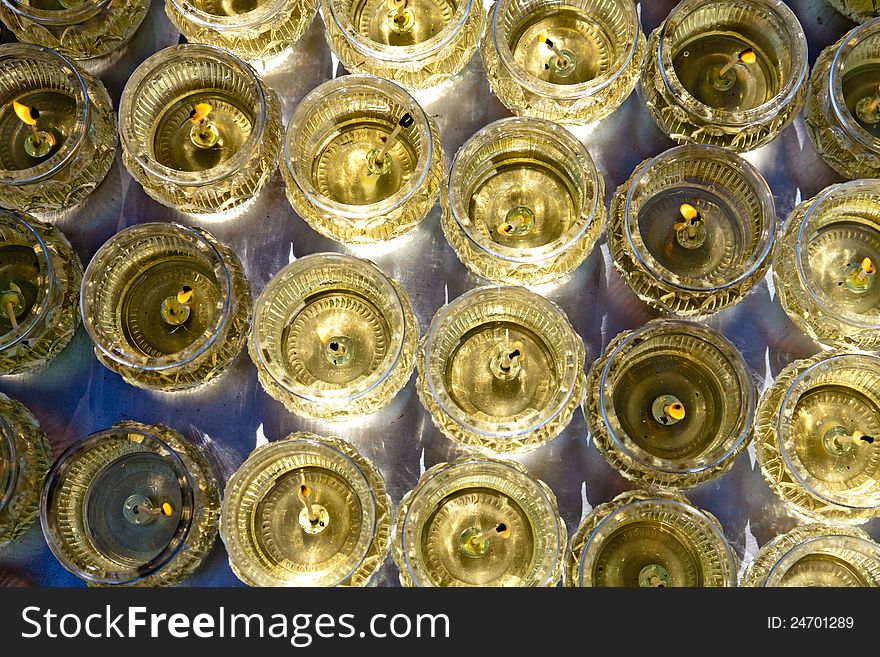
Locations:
{"points": [[868, 266], [748, 56], [542, 36], [324, 334], [200, 113], [503, 531], [185, 295], [688, 211], [24, 113], [167, 509], [676, 411], [305, 490]]}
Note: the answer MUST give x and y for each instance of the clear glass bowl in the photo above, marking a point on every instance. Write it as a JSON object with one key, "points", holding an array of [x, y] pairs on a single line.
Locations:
{"points": [[816, 436], [843, 112], [166, 306], [57, 162], [696, 267], [306, 511], [826, 251], [642, 539], [255, 30], [415, 43], [25, 457], [135, 505], [600, 50], [501, 370], [670, 404], [334, 337], [524, 203], [201, 132], [81, 30], [817, 556], [479, 522], [695, 97], [339, 175], [40, 276], [857, 10]]}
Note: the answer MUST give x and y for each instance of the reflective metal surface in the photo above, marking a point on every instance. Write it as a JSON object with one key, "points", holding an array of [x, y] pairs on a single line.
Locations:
{"points": [[76, 396]]}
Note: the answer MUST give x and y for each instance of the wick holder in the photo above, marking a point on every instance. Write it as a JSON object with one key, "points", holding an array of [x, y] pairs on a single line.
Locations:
{"points": [[166, 306], [479, 522], [713, 262], [670, 404], [135, 505], [640, 539], [25, 457], [696, 98], [524, 203], [334, 338], [569, 62], [363, 162], [825, 266], [306, 511]]}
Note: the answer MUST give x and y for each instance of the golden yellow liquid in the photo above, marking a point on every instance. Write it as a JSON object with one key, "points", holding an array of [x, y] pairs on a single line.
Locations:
{"points": [[21, 272], [57, 114], [417, 21]]}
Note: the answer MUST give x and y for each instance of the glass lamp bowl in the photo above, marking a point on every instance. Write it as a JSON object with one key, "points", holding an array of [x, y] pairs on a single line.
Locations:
{"points": [[501, 370], [338, 174], [81, 30], [600, 46], [695, 98], [670, 404], [274, 538], [334, 337], [479, 522], [40, 276], [134, 505], [57, 162], [857, 10], [648, 540], [841, 114], [821, 266], [254, 30], [817, 556], [524, 203], [816, 437], [200, 131], [132, 308], [415, 43], [25, 457], [713, 262]]}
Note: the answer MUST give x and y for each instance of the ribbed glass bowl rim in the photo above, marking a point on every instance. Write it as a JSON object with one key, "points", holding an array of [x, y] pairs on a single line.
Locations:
{"points": [[7, 438], [809, 545], [82, 119], [859, 34], [442, 320], [707, 335], [569, 91], [705, 521], [385, 287], [715, 155], [852, 187], [400, 54], [47, 276], [762, 112], [521, 127], [166, 58], [260, 17], [794, 391], [63, 16], [446, 472], [55, 481], [94, 273], [291, 446], [340, 87]]}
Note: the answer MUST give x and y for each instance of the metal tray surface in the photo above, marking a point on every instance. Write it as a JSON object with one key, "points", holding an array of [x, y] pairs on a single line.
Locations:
{"points": [[75, 395]]}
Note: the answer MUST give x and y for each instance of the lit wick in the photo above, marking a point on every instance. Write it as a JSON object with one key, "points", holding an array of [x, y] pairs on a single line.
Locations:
{"points": [[176, 310], [405, 122], [507, 362], [12, 303], [867, 108], [668, 410], [562, 61], [305, 494], [519, 221], [204, 133], [140, 510], [690, 233], [860, 277], [475, 543], [40, 142], [400, 16], [839, 441], [314, 518], [747, 56]]}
